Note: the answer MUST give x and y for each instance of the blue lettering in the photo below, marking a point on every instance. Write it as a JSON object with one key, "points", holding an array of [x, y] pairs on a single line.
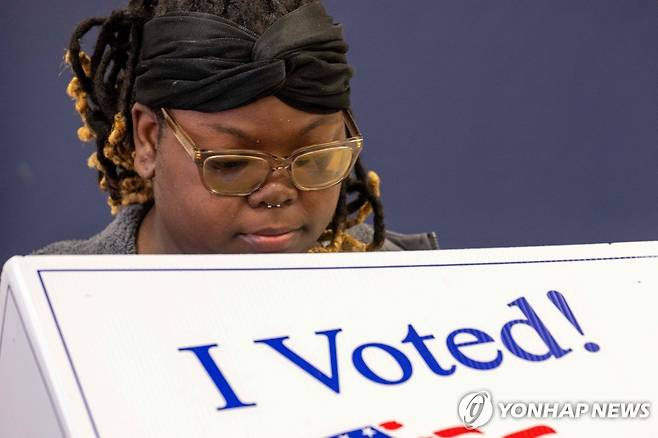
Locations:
{"points": [[532, 320], [364, 369], [331, 381], [202, 353], [419, 343], [480, 338]]}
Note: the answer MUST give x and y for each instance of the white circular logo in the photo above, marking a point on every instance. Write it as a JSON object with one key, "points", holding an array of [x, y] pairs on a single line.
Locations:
{"points": [[476, 409]]}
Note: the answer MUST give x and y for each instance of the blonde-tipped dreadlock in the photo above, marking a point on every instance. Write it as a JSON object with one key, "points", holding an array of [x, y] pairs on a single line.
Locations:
{"points": [[132, 189], [102, 88], [75, 91], [339, 240], [362, 214]]}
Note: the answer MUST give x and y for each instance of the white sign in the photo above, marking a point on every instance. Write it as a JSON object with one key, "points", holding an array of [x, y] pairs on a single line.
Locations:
{"points": [[555, 341]]}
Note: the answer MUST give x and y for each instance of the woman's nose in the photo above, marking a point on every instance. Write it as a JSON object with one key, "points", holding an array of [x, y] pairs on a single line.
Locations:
{"points": [[277, 190]]}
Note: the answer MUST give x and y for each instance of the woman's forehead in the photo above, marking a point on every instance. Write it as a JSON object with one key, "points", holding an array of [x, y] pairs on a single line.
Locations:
{"points": [[267, 117]]}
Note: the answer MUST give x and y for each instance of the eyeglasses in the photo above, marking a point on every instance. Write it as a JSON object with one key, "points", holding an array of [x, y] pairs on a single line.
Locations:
{"points": [[241, 172]]}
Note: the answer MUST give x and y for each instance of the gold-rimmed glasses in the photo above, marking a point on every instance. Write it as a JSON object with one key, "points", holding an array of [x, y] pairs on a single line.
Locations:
{"points": [[240, 172]]}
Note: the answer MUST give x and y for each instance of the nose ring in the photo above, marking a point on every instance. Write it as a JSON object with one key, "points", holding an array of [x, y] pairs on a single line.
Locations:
{"points": [[268, 205]]}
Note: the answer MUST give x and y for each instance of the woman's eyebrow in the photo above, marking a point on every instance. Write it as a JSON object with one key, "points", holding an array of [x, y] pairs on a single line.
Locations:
{"points": [[316, 124], [231, 131], [236, 132]]}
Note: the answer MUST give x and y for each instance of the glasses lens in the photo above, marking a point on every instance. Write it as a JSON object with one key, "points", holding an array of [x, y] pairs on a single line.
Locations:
{"points": [[323, 168], [234, 174]]}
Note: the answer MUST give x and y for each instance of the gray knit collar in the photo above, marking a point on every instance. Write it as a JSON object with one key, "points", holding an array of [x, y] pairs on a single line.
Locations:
{"points": [[121, 233]]}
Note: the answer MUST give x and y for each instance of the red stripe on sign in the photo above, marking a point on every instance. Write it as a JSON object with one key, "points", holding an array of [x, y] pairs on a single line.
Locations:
{"points": [[455, 431], [533, 432], [391, 425]]}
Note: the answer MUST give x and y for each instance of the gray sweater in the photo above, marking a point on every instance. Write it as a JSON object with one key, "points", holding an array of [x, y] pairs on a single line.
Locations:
{"points": [[120, 237]]}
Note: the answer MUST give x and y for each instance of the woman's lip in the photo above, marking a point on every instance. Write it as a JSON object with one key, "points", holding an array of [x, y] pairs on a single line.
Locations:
{"points": [[272, 231], [269, 240]]}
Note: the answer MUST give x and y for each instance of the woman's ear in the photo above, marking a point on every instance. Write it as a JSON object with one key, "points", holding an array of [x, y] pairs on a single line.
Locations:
{"points": [[146, 133]]}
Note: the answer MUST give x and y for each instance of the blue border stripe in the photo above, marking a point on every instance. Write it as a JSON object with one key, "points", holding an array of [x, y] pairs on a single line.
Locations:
{"points": [[68, 354], [324, 268]]}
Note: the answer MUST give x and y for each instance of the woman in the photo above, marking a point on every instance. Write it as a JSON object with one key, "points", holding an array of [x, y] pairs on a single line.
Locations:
{"points": [[224, 127]]}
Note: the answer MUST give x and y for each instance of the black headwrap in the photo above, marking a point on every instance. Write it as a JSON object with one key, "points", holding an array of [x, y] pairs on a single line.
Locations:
{"points": [[203, 62]]}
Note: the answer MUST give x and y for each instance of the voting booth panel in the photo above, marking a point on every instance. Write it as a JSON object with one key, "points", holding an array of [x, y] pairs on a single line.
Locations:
{"points": [[555, 341]]}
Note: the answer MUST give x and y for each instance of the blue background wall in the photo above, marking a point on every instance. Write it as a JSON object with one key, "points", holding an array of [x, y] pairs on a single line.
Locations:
{"points": [[495, 123]]}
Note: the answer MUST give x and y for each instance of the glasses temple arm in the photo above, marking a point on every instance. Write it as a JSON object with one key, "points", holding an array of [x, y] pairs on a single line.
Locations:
{"points": [[352, 128], [181, 136]]}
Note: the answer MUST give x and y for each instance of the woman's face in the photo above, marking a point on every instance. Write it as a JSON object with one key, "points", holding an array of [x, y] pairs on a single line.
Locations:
{"points": [[187, 218]]}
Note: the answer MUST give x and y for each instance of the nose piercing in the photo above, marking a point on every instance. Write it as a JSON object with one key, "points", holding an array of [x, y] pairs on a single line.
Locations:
{"points": [[268, 205]]}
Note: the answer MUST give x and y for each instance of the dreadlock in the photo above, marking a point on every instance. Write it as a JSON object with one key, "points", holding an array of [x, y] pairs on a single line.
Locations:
{"points": [[102, 88]]}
